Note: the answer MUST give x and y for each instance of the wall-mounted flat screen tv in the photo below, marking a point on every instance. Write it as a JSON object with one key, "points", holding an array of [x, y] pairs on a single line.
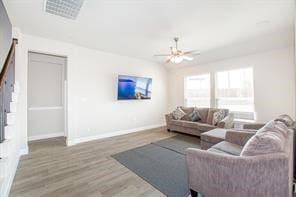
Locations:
{"points": [[132, 87]]}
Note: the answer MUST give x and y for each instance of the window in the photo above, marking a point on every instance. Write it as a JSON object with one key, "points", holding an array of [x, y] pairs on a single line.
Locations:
{"points": [[197, 91], [234, 91]]}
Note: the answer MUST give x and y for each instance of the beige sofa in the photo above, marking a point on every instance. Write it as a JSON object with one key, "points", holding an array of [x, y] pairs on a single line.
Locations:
{"points": [[247, 163], [196, 128]]}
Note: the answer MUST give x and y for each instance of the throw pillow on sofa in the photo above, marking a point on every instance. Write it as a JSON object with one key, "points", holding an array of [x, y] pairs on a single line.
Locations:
{"points": [[195, 116], [286, 119], [178, 113], [217, 117]]}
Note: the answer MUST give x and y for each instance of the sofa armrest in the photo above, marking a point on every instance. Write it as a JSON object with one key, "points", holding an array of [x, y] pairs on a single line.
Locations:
{"points": [[168, 119], [255, 126], [239, 137], [227, 122], [215, 174]]}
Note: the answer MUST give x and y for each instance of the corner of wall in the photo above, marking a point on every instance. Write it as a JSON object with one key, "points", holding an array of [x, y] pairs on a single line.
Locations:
{"points": [[24, 151]]}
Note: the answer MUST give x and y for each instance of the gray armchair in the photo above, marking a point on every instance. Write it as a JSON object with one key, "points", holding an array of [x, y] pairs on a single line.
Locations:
{"points": [[222, 175], [226, 169]]}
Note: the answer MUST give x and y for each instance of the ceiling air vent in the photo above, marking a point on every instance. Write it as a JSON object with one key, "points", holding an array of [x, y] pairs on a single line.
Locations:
{"points": [[65, 8]]}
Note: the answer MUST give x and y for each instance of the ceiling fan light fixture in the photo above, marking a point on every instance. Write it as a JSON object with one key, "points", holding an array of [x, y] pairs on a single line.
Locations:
{"points": [[177, 59], [177, 56], [187, 58]]}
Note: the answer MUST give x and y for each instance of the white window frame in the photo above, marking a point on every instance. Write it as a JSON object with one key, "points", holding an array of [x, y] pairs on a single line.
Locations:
{"points": [[243, 115], [213, 100], [185, 88]]}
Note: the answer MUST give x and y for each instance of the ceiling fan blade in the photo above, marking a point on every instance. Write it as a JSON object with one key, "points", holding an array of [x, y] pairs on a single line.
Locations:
{"points": [[193, 52], [187, 58], [162, 55]]}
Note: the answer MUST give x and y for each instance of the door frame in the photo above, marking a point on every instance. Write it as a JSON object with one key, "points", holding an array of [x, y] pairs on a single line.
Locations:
{"points": [[65, 87]]}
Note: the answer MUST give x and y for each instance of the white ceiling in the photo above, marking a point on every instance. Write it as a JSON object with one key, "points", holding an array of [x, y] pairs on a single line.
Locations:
{"points": [[141, 28]]}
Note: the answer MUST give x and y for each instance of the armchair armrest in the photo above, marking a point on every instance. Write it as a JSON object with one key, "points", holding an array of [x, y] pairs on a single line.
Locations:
{"points": [[168, 119], [215, 174], [239, 137], [255, 126], [227, 122]]}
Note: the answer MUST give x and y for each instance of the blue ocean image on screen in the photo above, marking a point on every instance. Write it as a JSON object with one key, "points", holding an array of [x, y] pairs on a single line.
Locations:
{"points": [[131, 87]]}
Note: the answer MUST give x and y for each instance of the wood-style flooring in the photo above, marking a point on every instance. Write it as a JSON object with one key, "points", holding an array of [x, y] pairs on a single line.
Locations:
{"points": [[52, 169]]}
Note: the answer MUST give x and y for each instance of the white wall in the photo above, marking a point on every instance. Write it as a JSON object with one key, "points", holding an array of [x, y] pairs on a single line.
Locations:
{"points": [[274, 81], [93, 110]]}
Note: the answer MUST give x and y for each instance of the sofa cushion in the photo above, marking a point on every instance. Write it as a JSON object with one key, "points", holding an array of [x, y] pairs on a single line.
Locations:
{"points": [[187, 110], [187, 117], [229, 148], [277, 127], [178, 113], [203, 112], [194, 125], [263, 143], [211, 112], [214, 136], [217, 151], [269, 139]]}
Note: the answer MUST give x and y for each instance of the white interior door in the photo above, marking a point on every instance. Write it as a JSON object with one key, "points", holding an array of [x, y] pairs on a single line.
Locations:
{"points": [[46, 77]]}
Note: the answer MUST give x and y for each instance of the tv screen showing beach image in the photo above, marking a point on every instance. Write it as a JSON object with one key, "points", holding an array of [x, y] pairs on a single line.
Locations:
{"points": [[132, 87]]}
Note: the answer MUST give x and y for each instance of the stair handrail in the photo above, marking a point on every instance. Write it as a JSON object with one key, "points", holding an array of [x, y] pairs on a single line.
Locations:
{"points": [[7, 61], [6, 76]]}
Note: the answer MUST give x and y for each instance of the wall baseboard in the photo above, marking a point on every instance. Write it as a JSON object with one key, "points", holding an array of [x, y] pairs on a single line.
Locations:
{"points": [[111, 134], [45, 136]]}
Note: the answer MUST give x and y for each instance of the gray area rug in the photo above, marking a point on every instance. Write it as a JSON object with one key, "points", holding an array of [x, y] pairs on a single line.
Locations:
{"points": [[162, 164], [179, 143]]}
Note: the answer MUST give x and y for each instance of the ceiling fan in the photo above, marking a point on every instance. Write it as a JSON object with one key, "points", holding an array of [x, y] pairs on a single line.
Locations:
{"points": [[177, 56]]}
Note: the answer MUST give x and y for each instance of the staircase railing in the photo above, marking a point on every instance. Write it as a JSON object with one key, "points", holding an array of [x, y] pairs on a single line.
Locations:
{"points": [[7, 80]]}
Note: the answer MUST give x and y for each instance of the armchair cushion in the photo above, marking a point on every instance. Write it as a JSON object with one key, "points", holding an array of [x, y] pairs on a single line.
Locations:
{"points": [[279, 128], [230, 148], [263, 143], [217, 151], [269, 139]]}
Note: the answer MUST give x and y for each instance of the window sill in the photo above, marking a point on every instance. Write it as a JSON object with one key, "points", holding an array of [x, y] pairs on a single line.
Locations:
{"points": [[244, 120]]}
